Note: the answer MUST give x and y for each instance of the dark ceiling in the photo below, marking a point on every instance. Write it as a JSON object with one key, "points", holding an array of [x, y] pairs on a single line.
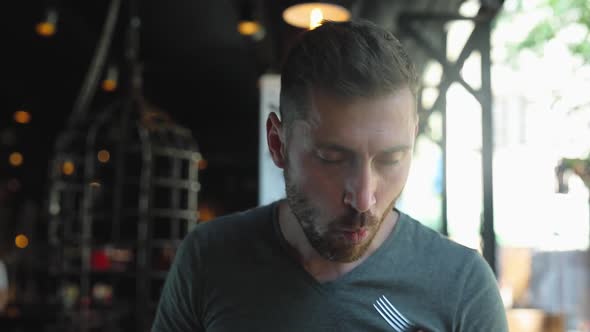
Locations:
{"points": [[197, 67]]}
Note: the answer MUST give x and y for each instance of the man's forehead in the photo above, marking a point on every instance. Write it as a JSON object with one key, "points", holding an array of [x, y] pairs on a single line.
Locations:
{"points": [[381, 113]]}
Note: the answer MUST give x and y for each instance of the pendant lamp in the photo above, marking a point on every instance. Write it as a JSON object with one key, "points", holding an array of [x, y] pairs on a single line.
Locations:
{"points": [[309, 15]]}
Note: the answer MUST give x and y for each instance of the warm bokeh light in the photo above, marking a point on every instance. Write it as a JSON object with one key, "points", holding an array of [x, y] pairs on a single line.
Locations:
{"points": [[110, 81], [206, 213], [109, 85], [202, 164], [15, 159], [68, 168], [248, 28], [104, 156], [21, 241], [22, 117], [95, 184], [45, 29], [315, 18], [307, 15]]}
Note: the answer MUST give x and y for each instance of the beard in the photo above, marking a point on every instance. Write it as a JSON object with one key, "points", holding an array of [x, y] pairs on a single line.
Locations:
{"points": [[328, 238]]}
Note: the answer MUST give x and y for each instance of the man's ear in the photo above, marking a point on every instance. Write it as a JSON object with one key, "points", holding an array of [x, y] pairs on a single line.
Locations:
{"points": [[275, 139]]}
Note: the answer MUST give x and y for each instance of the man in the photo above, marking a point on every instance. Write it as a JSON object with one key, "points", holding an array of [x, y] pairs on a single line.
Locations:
{"points": [[336, 255]]}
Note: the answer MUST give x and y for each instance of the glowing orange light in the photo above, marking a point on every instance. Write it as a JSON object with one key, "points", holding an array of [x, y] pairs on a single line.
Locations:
{"points": [[109, 85], [206, 213], [21, 241], [103, 156], [310, 15], [22, 117], [15, 159], [203, 164], [68, 168], [248, 28], [45, 29]]}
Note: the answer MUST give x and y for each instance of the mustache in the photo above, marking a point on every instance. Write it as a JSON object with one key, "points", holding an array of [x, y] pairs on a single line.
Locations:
{"points": [[354, 220]]}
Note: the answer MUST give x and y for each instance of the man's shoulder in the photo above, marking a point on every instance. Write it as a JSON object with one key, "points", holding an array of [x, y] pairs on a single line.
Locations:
{"points": [[245, 218], [434, 243], [459, 282], [429, 251], [234, 226]]}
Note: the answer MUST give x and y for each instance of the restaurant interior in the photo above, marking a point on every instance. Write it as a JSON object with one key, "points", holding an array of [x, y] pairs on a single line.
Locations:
{"points": [[125, 124]]}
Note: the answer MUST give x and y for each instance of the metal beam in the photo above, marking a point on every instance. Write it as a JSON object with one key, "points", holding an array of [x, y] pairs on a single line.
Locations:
{"points": [[487, 231], [478, 40]]}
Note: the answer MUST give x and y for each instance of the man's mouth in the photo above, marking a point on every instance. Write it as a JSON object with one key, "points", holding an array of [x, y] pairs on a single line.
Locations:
{"points": [[355, 236]]}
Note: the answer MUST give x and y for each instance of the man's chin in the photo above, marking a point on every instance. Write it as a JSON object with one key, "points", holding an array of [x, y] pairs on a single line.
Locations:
{"points": [[346, 254], [345, 258]]}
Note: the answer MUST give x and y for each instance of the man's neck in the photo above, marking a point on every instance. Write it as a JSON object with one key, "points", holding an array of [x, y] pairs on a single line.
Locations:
{"points": [[319, 267]]}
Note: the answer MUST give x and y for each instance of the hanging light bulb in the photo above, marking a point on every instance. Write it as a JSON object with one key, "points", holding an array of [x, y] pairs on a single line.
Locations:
{"points": [[310, 15], [47, 27], [21, 241], [248, 25], [315, 18], [109, 84], [248, 28], [103, 156], [68, 168], [15, 159], [22, 117]]}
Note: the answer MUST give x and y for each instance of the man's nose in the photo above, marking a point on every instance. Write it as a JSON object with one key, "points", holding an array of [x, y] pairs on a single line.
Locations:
{"points": [[360, 189]]}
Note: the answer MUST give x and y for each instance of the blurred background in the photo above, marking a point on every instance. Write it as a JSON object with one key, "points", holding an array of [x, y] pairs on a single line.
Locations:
{"points": [[125, 123]]}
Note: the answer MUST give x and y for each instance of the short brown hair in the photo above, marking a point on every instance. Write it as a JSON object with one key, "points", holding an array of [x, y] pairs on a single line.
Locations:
{"points": [[347, 59]]}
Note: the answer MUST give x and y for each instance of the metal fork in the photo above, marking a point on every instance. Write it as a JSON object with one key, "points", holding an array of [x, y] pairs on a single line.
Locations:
{"points": [[393, 317]]}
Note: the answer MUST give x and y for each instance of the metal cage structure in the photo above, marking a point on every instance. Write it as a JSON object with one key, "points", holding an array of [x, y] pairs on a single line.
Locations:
{"points": [[123, 194], [123, 190]]}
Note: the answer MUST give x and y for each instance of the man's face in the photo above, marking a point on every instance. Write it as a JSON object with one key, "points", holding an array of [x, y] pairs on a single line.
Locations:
{"points": [[347, 164]]}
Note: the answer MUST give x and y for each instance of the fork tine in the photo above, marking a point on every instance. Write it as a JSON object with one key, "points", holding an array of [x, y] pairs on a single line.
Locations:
{"points": [[390, 322], [398, 313], [399, 323]]}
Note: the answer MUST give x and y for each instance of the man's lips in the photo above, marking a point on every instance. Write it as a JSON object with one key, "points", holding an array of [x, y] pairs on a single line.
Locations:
{"points": [[354, 235]]}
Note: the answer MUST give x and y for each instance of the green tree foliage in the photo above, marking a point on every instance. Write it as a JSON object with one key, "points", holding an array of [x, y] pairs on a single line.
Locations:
{"points": [[562, 14]]}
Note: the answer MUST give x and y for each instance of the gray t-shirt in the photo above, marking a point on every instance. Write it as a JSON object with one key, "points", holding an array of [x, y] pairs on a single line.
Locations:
{"points": [[236, 274]]}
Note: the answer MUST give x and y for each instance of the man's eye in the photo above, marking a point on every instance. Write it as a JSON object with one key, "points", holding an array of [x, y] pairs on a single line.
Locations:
{"points": [[392, 159], [330, 156], [388, 161]]}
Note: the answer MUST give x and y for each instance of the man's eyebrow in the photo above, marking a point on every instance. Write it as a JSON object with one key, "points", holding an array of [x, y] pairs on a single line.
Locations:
{"points": [[333, 147], [397, 148], [340, 148]]}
